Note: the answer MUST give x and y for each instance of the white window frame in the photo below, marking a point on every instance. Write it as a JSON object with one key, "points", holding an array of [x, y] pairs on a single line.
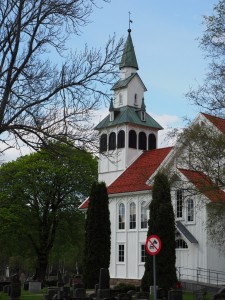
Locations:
{"points": [[190, 210], [121, 253], [143, 215]]}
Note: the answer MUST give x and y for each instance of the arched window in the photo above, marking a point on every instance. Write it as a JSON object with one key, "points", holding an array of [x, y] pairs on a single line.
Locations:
{"points": [[151, 141], [181, 244], [132, 215], [179, 204], [121, 216], [132, 139], [142, 141], [144, 217], [190, 210], [112, 141], [103, 142], [121, 139]]}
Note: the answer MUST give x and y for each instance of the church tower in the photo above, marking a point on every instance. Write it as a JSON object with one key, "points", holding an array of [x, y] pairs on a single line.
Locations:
{"points": [[128, 130]]}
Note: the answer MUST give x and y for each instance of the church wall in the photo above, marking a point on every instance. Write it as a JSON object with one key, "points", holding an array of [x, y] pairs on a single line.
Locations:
{"points": [[135, 88]]}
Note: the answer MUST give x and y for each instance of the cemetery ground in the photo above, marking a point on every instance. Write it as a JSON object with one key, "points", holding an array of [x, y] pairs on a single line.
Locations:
{"points": [[26, 295]]}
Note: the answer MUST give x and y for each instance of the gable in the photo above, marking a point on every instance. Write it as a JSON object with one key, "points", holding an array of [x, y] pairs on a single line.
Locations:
{"points": [[218, 122], [204, 185]]}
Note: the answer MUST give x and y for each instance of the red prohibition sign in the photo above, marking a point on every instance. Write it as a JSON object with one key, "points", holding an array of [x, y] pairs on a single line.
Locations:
{"points": [[153, 245]]}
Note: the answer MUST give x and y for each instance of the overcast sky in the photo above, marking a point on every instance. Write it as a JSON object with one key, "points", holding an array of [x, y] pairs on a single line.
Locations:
{"points": [[164, 34]]}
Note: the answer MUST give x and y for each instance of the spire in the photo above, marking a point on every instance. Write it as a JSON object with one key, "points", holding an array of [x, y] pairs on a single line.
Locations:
{"points": [[129, 57]]}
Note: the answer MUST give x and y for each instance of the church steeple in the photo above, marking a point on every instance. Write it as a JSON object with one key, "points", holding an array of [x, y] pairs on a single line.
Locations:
{"points": [[129, 58]]}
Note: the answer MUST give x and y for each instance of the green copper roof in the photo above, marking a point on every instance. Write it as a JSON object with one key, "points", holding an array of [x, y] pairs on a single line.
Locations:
{"points": [[129, 57], [128, 114]]}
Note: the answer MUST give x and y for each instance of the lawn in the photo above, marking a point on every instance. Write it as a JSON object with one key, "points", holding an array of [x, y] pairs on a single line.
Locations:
{"points": [[31, 296]]}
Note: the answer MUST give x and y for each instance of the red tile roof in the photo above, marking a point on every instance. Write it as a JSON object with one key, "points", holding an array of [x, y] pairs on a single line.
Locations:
{"points": [[218, 122], [84, 205], [204, 185], [134, 178]]}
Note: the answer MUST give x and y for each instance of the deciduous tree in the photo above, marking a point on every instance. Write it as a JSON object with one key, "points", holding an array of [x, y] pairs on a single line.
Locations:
{"points": [[40, 194], [48, 91]]}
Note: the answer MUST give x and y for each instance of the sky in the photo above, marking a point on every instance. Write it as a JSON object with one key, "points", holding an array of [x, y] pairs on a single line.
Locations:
{"points": [[165, 36]]}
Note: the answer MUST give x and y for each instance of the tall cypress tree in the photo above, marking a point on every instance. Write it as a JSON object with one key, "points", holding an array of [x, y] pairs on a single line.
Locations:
{"points": [[97, 235], [162, 224]]}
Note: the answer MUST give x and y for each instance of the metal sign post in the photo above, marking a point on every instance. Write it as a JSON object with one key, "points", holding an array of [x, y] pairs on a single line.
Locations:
{"points": [[153, 246]]}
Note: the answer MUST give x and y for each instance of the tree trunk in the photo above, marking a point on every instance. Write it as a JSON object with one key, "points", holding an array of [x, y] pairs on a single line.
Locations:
{"points": [[42, 263]]}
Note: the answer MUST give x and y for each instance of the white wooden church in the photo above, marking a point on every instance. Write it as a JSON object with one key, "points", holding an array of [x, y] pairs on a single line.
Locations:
{"points": [[129, 159]]}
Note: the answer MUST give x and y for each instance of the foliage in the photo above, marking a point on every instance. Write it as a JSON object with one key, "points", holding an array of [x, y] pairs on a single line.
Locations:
{"points": [[97, 235], [210, 95], [47, 90], [162, 224], [39, 196]]}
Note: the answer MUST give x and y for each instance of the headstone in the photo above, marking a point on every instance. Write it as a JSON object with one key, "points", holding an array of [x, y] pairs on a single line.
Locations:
{"points": [[52, 293], [220, 296], [59, 279], [15, 288], [103, 293], [104, 279], [175, 295], [162, 293], [66, 279], [142, 295], [124, 296], [34, 286], [79, 293]]}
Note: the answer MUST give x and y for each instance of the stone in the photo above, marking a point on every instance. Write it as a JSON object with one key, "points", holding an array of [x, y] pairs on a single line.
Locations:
{"points": [[142, 295], [175, 295], [162, 293], [104, 279], [34, 286], [102, 294], [124, 296], [79, 293]]}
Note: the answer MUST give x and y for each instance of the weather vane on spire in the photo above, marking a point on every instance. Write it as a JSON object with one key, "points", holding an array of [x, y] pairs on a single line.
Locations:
{"points": [[130, 21]]}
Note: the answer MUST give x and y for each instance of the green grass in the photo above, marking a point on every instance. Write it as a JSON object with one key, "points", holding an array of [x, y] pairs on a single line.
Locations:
{"points": [[26, 295]]}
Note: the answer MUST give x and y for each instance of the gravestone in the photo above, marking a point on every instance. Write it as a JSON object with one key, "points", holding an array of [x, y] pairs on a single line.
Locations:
{"points": [[15, 288], [52, 293], [103, 290], [162, 293], [104, 279], [124, 296], [59, 279], [79, 293], [142, 295], [34, 286], [175, 295], [220, 296], [66, 279]]}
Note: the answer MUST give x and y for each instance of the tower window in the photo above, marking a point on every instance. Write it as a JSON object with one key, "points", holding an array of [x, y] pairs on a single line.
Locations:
{"points": [[151, 141], [103, 143], [142, 141], [135, 99], [132, 139], [112, 141], [179, 204], [121, 139]]}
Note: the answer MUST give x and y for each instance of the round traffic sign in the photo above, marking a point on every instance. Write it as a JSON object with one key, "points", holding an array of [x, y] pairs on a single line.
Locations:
{"points": [[153, 244]]}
